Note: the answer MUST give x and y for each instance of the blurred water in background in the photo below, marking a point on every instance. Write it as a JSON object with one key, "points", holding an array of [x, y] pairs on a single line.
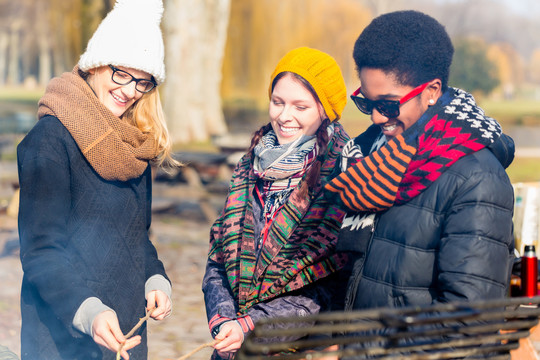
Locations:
{"points": [[17, 118], [524, 136]]}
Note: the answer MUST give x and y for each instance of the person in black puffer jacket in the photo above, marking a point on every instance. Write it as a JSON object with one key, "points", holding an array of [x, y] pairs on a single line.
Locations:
{"points": [[429, 203]]}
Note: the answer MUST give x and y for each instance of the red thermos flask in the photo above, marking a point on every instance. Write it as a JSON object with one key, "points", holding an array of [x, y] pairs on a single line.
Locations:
{"points": [[529, 272]]}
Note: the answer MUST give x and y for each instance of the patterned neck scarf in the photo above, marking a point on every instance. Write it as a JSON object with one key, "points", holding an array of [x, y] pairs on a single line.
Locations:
{"points": [[115, 149], [283, 166], [409, 163]]}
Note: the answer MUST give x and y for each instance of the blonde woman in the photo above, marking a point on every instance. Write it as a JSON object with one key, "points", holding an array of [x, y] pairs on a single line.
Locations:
{"points": [[90, 270]]}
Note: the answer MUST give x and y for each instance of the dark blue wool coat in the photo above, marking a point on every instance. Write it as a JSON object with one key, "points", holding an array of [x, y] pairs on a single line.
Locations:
{"points": [[81, 236]]}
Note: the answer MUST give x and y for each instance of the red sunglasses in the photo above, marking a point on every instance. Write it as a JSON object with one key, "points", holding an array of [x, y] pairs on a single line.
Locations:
{"points": [[388, 108]]}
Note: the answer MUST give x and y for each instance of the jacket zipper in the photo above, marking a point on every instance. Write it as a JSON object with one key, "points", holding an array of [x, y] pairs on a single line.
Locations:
{"points": [[350, 297]]}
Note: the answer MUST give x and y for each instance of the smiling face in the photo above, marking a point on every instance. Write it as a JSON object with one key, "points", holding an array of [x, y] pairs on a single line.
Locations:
{"points": [[293, 110], [378, 85], [117, 98]]}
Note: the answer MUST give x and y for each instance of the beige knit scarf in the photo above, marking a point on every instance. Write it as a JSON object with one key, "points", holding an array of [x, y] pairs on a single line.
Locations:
{"points": [[115, 149]]}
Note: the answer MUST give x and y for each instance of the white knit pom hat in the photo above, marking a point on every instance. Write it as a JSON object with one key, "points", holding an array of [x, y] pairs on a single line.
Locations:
{"points": [[129, 36]]}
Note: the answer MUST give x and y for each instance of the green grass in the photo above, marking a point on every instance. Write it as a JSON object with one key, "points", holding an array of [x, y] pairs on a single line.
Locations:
{"points": [[20, 95], [206, 146], [524, 170], [513, 112]]}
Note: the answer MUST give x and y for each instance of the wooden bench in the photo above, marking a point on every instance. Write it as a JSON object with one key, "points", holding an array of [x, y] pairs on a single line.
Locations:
{"points": [[203, 172]]}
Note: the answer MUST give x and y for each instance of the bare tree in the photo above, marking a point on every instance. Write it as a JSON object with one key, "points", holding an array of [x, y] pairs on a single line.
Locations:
{"points": [[195, 34], [379, 7], [13, 60], [4, 42], [44, 45]]}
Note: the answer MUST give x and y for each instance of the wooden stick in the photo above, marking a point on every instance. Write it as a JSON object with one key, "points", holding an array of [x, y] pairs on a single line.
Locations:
{"points": [[132, 331], [199, 348]]}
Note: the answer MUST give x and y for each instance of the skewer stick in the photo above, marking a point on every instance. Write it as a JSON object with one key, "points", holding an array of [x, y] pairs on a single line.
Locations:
{"points": [[199, 348], [132, 331]]}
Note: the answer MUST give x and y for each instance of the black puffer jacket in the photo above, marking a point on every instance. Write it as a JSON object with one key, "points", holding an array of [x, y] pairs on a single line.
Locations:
{"points": [[452, 242]]}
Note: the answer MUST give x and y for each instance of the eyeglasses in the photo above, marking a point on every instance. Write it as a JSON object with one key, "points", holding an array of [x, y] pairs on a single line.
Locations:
{"points": [[122, 77], [387, 108]]}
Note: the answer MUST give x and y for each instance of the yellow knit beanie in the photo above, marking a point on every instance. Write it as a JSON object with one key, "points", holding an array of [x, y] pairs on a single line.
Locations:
{"points": [[322, 72]]}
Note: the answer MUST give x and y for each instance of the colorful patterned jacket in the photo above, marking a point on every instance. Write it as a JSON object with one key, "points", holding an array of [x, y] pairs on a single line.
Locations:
{"points": [[299, 250]]}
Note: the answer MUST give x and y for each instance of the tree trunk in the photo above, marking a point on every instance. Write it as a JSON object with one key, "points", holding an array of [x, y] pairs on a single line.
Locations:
{"points": [[195, 36], [380, 7], [4, 41], [44, 45], [45, 61], [13, 77]]}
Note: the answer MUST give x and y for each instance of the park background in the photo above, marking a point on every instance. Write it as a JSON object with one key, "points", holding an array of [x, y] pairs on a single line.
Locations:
{"points": [[219, 57], [220, 54]]}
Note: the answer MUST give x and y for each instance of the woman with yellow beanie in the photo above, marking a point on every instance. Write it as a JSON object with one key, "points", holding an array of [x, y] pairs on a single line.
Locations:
{"points": [[272, 250]]}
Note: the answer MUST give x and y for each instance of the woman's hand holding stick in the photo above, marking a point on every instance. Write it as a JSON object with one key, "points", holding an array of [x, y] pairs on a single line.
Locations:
{"points": [[132, 331]]}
